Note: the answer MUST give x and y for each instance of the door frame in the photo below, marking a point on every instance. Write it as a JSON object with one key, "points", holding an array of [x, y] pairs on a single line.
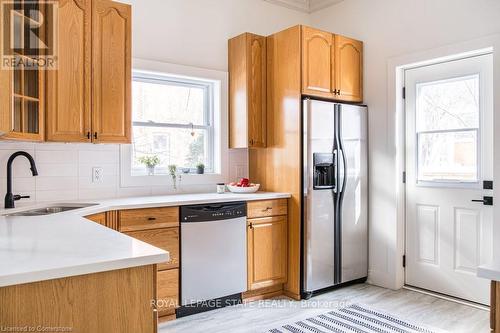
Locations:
{"points": [[394, 276]]}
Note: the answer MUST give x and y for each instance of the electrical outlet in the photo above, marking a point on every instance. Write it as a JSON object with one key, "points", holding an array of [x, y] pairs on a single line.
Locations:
{"points": [[97, 175]]}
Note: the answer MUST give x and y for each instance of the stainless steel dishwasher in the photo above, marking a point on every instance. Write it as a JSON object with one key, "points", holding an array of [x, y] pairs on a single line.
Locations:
{"points": [[213, 256]]}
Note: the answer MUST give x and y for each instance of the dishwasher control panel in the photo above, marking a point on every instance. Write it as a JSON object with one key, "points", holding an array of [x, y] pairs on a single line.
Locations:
{"points": [[213, 212]]}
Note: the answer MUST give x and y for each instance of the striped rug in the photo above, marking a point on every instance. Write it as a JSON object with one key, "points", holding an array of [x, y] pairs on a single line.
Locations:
{"points": [[355, 318]]}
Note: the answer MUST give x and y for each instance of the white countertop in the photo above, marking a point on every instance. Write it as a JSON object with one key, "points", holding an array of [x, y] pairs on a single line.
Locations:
{"points": [[490, 271], [53, 246]]}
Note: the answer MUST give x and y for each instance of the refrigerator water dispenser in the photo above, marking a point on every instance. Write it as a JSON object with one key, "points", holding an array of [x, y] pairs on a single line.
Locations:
{"points": [[324, 171]]}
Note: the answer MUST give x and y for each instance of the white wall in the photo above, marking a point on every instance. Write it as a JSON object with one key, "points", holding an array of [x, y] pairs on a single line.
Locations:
{"points": [[195, 32], [186, 32], [392, 28]]}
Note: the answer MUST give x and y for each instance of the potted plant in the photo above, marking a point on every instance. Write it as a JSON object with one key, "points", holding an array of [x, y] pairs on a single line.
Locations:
{"points": [[150, 162], [172, 171], [200, 168]]}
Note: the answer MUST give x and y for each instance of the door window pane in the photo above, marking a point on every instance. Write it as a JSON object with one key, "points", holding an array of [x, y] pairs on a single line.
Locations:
{"points": [[448, 156], [447, 127], [448, 104]]}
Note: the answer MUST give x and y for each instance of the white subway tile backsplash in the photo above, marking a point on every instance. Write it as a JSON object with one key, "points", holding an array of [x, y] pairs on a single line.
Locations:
{"points": [[57, 157], [97, 193], [125, 192], [15, 145], [59, 195], [99, 157], [56, 183], [65, 173], [56, 170]]}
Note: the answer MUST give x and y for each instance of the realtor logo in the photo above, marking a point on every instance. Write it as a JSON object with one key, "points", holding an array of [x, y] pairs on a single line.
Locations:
{"points": [[28, 36]]}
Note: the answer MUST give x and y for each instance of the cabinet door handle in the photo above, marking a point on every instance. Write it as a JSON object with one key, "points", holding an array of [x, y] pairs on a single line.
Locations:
{"points": [[267, 209], [88, 135], [250, 225], [151, 218], [251, 142], [95, 135]]}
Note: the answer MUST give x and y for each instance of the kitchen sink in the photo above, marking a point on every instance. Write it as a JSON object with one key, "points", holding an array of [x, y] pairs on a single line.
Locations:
{"points": [[53, 209]]}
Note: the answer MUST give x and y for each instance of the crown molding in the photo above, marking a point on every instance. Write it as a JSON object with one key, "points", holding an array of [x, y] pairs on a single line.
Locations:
{"points": [[306, 6], [315, 5]]}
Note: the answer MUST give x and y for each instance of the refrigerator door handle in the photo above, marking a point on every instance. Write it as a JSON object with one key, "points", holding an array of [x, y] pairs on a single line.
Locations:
{"points": [[335, 168], [305, 153], [343, 172]]}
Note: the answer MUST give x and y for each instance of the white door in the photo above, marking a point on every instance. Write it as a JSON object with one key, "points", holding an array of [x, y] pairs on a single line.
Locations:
{"points": [[449, 154]]}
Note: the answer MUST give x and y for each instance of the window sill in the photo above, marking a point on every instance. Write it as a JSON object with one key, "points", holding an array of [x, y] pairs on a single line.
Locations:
{"points": [[166, 180]]}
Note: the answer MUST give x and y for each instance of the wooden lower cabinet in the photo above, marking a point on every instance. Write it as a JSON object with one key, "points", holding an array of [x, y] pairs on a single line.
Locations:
{"points": [[113, 301], [98, 218], [167, 292], [158, 227], [265, 208], [166, 239], [267, 251], [108, 219], [494, 307], [149, 218]]}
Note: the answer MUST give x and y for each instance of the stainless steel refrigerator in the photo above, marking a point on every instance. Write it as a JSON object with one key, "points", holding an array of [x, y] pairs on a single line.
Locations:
{"points": [[335, 190]]}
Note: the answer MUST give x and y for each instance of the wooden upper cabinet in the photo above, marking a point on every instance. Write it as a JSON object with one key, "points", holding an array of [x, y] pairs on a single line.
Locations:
{"points": [[332, 66], [68, 88], [349, 69], [111, 62], [22, 97], [247, 91], [5, 102], [317, 63]]}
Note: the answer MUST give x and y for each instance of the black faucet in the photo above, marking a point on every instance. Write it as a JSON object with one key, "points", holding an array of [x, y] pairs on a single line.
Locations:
{"points": [[9, 197]]}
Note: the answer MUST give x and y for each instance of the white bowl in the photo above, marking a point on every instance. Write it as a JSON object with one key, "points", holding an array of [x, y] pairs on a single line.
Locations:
{"points": [[236, 189]]}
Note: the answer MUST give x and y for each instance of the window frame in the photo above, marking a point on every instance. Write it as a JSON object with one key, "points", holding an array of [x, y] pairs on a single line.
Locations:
{"points": [[219, 104], [208, 112]]}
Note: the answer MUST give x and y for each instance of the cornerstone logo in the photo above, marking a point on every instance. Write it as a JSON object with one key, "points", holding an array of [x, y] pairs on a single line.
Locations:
{"points": [[28, 37]]}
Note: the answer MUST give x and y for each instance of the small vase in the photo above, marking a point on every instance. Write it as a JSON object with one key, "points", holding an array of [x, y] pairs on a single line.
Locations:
{"points": [[151, 170], [200, 171], [174, 183]]}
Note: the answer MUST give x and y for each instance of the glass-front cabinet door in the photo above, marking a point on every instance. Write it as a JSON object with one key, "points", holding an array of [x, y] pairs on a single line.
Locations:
{"points": [[23, 74]]}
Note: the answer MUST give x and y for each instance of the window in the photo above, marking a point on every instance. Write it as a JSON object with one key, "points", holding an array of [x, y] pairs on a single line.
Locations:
{"points": [[173, 119], [179, 113], [447, 123]]}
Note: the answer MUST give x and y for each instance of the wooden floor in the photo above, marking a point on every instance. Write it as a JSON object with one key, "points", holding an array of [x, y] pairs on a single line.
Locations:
{"points": [[406, 304]]}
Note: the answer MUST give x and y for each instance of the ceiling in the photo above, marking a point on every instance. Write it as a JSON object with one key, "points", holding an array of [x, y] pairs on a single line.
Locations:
{"points": [[307, 6]]}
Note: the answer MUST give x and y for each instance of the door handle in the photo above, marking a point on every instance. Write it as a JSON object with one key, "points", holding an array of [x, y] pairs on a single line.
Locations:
{"points": [[487, 201]]}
